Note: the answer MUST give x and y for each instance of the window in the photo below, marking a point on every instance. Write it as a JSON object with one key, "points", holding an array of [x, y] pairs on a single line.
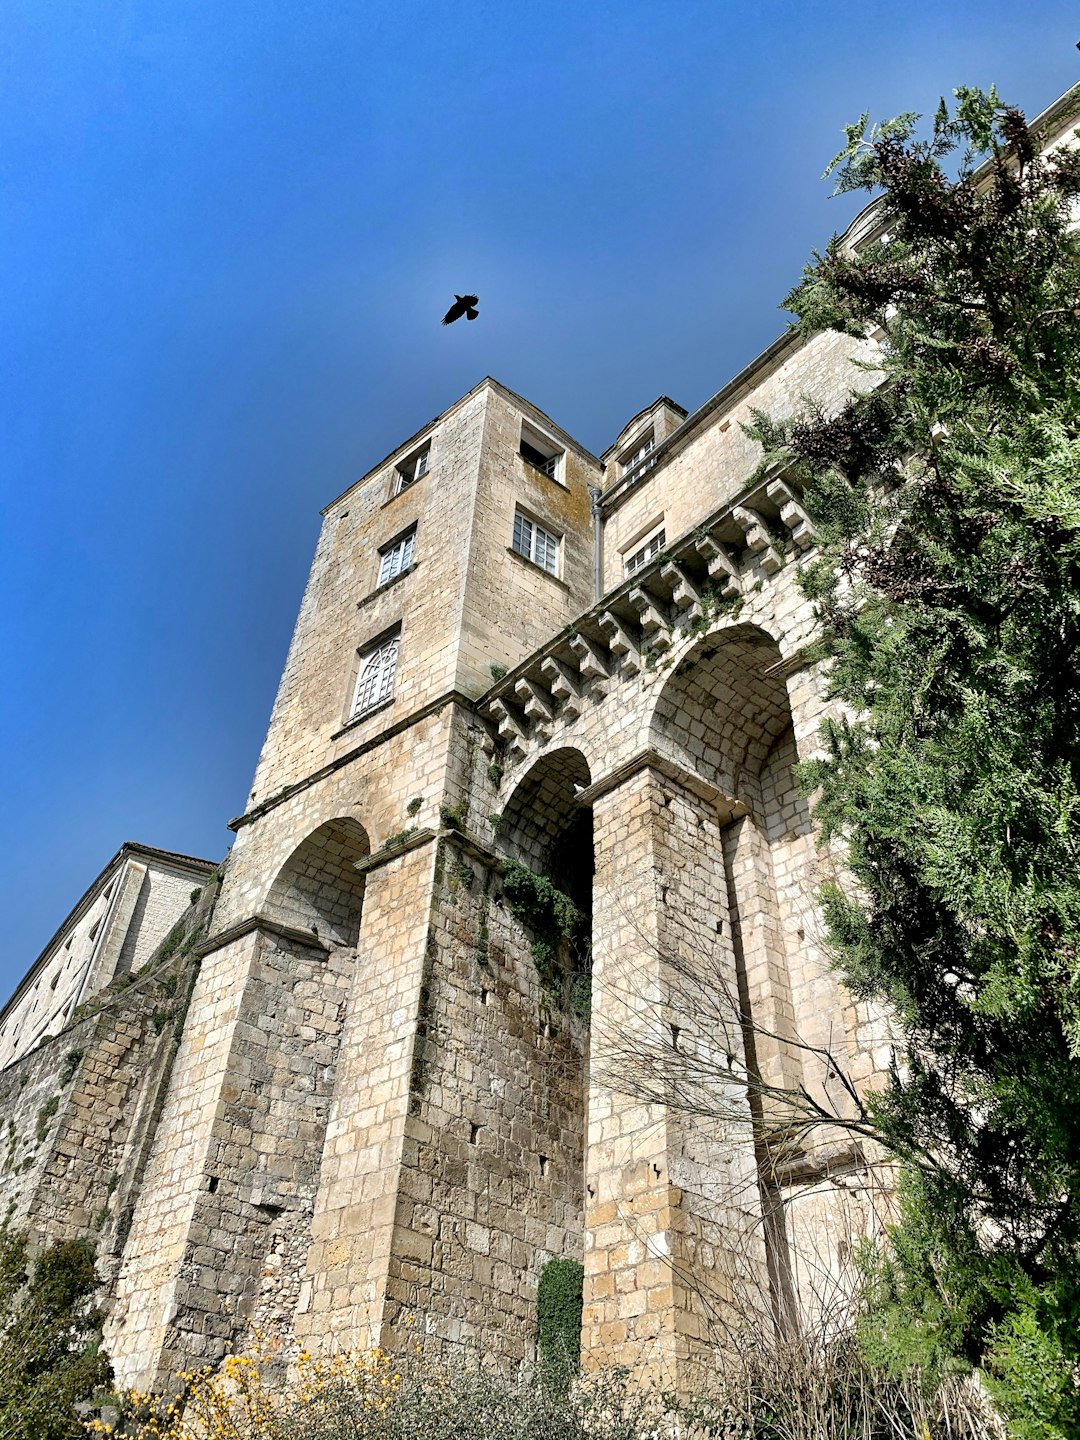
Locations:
{"points": [[536, 544], [396, 557], [635, 460], [641, 557], [375, 681], [540, 451], [412, 468]]}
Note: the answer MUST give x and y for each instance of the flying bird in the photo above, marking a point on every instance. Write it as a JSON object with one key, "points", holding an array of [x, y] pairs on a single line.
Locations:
{"points": [[463, 305]]}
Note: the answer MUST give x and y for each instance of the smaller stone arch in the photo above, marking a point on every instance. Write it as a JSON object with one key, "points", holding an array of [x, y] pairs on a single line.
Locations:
{"points": [[544, 827], [319, 888]]}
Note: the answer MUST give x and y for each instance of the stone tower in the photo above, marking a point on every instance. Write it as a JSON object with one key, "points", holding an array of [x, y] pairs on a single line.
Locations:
{"points": [[338, 1142]]}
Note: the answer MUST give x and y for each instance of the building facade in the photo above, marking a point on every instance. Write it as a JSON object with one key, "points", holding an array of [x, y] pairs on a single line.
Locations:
{"points": [[113, 930], [512, 651], [395, 1075]]}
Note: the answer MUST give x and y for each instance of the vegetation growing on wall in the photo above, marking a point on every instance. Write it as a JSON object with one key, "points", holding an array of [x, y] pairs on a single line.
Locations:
{"points": [[50, 1338], [558, 1322], [44, 1116], [948, 590], [71, 1063], [551, 918], [452, 816]]}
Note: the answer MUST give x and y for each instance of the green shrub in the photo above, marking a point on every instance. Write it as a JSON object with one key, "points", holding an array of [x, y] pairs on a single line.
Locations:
{"points": [[45, 1114], [452, 816], [551, 916], [50, 1338], [160, 1017], [71, 1064]]}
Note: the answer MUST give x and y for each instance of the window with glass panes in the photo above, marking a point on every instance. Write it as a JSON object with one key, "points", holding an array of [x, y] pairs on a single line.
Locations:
{"points": [[536, 543], [396, 557], [411, 469], [638, 455], [540, 451], [375, 681], [645, 553]]}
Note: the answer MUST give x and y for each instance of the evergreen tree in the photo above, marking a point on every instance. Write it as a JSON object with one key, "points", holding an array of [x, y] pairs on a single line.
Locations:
{"points": [[947, 498]]}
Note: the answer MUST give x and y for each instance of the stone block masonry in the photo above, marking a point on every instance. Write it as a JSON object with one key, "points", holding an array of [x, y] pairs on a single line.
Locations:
{"points": [[390, 1097], [82, 1107], [517, 948]]}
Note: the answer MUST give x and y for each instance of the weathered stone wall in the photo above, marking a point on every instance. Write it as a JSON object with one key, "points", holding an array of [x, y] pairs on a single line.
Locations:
{"points": [[673, 1213], [230, 1183], [81, 1108], [343, 609], [493, 1162], [513, 606], [453, 604]]}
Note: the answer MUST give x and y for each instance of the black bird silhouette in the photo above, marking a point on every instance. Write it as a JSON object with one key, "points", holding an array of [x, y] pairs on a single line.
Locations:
{"points": [[463, 305]]}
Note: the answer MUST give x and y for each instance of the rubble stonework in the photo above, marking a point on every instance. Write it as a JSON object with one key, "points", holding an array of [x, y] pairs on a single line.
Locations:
{"points": [[372, 1092]]}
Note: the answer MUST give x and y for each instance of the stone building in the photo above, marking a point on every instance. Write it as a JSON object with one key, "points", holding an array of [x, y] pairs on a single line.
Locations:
{"points": [[512, 650], [113, 930], [383, 1087]]}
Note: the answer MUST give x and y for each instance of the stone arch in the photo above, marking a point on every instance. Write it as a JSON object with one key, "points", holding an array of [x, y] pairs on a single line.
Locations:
{"points": [[545, 828], [319, 889], [723, 710], [725, 715]]}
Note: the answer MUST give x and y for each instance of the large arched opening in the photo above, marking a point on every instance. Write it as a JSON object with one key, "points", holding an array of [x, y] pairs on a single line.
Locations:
{"points": [[319, 889], [725, 715], [547, 833]]}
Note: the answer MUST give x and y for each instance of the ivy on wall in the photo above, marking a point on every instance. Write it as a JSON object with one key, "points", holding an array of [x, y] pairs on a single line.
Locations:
{"points": [[558, 1321], [548, 914]]}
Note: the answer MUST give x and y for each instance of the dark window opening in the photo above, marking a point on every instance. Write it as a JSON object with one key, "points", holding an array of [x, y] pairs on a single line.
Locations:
{"points": [[412, 469], [547, 463], [539, 451]]}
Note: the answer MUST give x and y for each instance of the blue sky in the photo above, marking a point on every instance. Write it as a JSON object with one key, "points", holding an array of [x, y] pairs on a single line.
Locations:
{"points": [[228, 233]]}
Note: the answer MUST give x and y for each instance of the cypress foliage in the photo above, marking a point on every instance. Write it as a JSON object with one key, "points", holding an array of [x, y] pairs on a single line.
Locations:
{"points": [[948, 503]]}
